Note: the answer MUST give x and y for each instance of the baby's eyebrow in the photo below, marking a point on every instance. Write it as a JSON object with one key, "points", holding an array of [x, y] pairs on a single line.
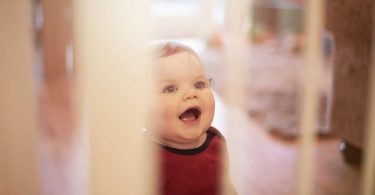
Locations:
{"points": [[166, 81], [202, 77]]}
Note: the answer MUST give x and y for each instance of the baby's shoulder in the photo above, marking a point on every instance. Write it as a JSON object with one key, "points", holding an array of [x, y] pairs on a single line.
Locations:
{"points": [[216, 132]]}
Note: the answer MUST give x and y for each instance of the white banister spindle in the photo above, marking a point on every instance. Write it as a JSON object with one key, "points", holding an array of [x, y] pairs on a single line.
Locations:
{"points": [[312, 69], [368, 170], [110, 46], [236, 50], [18, 127]]}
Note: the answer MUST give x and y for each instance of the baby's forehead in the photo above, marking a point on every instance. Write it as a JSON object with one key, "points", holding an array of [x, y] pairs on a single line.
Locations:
{"points": [[179, 60], [179, 65]]}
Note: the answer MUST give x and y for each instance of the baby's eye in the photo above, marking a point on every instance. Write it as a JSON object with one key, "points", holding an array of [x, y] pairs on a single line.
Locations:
{"points": [[170, 89], [200, 84]]}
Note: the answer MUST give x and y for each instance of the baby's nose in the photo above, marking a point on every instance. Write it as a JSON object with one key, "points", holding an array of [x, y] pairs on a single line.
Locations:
{"points": [[191, 94]]}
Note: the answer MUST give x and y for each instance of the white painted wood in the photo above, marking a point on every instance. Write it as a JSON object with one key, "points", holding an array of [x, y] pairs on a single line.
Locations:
{"points": [[18, 153], [310, 100], [110, 42], [237, 47]]}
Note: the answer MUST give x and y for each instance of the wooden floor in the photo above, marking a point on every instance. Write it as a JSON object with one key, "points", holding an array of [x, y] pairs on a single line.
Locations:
{"points": [[260, 163], [265, 164]]}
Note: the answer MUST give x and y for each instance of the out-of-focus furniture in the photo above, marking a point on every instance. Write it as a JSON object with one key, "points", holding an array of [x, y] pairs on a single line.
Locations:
{"points": [[350, 21]]}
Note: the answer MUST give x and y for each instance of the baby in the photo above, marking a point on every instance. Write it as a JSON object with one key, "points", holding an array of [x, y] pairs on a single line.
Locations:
{"points": [[193, 153]]}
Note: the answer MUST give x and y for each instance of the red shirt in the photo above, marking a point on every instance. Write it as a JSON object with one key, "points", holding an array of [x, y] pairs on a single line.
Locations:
{"points": [[194, 171]]}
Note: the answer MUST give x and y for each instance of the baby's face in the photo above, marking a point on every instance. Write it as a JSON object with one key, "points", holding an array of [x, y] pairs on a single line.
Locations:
{"points": [[184, 104]]}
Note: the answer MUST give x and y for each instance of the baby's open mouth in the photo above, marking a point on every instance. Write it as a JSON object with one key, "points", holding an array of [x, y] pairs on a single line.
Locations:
{"points": [[190, 114]]}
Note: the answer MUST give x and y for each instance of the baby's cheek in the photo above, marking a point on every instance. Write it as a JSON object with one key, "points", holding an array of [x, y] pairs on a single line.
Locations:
{"points": [[164, 113], [211, 102], [211, 108]]}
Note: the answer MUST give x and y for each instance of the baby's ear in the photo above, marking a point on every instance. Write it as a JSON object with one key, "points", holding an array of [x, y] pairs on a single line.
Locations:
{"points": [[210, 80]]}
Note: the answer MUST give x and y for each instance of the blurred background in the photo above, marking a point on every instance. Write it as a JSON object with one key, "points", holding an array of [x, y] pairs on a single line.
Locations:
{"points": [[271, 114]]}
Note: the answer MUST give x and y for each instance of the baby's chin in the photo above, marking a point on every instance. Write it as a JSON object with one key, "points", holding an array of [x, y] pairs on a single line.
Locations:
{"points": [[183, 136], [185, 143]]}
